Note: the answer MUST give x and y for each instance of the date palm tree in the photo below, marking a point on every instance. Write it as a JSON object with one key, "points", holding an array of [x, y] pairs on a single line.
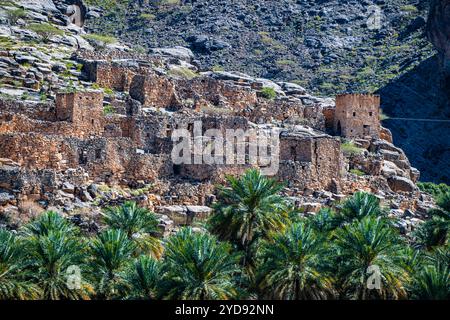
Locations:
{"points": [[139, 224], [360, 205], [51, 258], [197, 266], [141, 279], [289, 266], [433, 232], [436, 231], [431, 283], [112, 252], [14, 277], [248, 210], [52, 249], [47, 222], [368, 250], [131, 219], [443, 201], [324, 221]]}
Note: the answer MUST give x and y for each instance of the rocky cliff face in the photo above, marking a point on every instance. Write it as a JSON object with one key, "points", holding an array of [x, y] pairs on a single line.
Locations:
{"points": [[438, 29], [419, 103]]}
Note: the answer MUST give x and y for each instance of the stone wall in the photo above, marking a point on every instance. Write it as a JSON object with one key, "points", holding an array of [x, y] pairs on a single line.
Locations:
{"points": [[357, 116], [18, 123], [152, 90], [311, 162], [37, 151], [211, 173], [115, 76], [38, 111], [28, 182], [83, 109], [216, 93]]}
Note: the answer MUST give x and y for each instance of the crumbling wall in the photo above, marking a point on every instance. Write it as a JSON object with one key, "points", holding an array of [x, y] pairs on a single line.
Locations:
{"points": [[83, 109], [19, 123], [117, 75], [215, 173], [38, 111], [153, 90], [37, 151], [28, 182], [310, 162], [150, 167], [215, 93]]}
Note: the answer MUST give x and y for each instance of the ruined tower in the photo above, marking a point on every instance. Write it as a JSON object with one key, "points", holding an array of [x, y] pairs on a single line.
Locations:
{"points": [[83, 109], [357, 116]]}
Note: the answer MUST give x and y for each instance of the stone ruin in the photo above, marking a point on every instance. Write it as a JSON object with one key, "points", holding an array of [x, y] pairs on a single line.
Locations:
{"points": [[41, 144], [357, 115]]}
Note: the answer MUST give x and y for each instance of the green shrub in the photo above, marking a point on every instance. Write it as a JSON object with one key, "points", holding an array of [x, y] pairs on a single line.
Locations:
{"points": [[349, 148], [107, 91], [217, 68], [268, 93], [45, 30], [147, 16], [183, 72], [285, 62], [169, 2], [436, 190], [108, 109], [358, 172], [409, 8], [99, 41], [15, 14], [383, 116], [266, 39], [25, 96]]}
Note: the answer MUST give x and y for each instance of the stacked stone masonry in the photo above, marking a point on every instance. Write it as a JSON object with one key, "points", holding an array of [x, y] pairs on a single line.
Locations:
{"points": [[136, 143]]}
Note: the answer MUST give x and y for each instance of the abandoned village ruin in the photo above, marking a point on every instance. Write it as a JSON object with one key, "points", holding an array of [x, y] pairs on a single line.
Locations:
{"points": [[73, 138]]}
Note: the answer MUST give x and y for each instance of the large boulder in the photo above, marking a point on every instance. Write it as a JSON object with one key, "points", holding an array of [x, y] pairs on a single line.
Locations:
{"points": [[178, 214], [401, 184], [43, 6], [178, 52], [198, 213]]}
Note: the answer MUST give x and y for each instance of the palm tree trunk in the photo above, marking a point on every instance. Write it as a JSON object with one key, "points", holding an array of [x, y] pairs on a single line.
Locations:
{"points": [[297, 290]]}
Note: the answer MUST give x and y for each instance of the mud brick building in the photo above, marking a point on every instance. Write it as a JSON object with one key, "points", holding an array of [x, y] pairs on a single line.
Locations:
{"points": [[357, 115]]}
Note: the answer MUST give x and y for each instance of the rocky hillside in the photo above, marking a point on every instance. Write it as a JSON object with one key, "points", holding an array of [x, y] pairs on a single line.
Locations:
{"points": [[326, 46]]}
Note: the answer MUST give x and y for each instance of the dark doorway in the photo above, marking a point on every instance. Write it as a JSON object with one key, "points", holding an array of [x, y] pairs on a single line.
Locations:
{"points": [[339, 129], [82, 157], [176, 169]]}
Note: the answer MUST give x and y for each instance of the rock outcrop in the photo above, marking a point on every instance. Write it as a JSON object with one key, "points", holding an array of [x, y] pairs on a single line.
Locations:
{"points": [[438, 29]]}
